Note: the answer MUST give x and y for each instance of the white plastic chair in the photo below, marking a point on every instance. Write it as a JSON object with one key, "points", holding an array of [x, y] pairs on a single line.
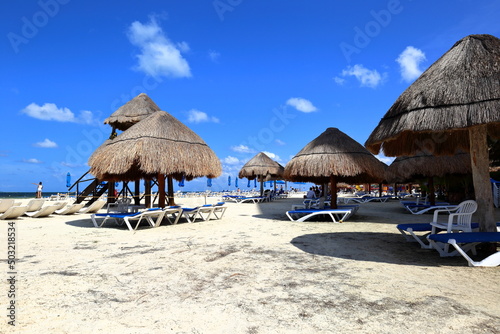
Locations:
{"points": [[459, 220]]}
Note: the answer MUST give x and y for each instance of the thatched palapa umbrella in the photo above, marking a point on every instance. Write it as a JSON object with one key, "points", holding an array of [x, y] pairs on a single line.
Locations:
{"points": [[158, 145], [454, 104], [132, 112], [334, 157], [261, 167], [425, 165]]}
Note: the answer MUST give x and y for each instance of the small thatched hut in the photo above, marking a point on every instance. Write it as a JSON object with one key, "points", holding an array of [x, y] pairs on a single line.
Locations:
{"points": [[334, 157], [454, 105], [132, 112], [424, 165], [263, 168], [158, 145]]}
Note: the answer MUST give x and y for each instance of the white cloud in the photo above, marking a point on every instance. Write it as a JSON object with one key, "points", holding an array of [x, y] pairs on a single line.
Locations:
{"points": [[339, 81], [229, 160], [47, 143], [280, 142], [384, 159], [367, 78], [242, 149], [32, 161], [301, 104], [213, 55], [409, 61], [196, 116], [50, 112], [272, 156], [159, 56]]}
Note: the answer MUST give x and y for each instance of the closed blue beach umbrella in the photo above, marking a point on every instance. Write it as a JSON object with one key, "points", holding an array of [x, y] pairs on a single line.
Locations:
{"points": [[209, 182], [255, 183], [236, 182], [181, 182], [68, 180], [248, 184], [229, 180]]}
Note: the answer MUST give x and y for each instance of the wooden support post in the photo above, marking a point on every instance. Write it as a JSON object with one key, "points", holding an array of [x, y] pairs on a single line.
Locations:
{"points": [[170, 187], [333, 191], [137, 192], [147, 193], [111, 192], [161, 190], [479, 159]]}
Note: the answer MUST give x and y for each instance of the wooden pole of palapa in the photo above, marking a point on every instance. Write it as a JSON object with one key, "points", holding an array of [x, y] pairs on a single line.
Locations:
{"points": [[137, 192], [170, 187], [161, 190], [147, 193], [333, 191], [479, 159]]}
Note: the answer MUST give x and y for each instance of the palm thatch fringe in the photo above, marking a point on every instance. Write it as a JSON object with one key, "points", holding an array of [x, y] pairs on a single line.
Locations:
{"points": [[459, 91], [159, 144], [132, 112]]}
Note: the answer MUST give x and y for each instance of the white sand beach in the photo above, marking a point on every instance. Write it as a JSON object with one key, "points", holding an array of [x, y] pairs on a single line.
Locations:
{"points": [[253, 271]]}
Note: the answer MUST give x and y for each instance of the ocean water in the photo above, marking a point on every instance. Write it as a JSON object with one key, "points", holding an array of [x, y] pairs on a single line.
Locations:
{"points": [[26, 194]]}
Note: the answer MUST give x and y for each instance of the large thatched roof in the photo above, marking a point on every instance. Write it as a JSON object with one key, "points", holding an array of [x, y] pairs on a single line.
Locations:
{"points": [[334, 153], [132, 112], [407, 168], [460, 90], [261, 166], [159, 144]]}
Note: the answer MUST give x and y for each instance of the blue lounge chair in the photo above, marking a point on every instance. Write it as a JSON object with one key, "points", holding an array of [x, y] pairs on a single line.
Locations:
{"points": [[126, 218], [337, 215], [468, 240], [408, 231]]}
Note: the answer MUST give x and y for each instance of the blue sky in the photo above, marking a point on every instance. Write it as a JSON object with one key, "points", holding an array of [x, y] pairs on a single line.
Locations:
{"points": [[247, 76]]}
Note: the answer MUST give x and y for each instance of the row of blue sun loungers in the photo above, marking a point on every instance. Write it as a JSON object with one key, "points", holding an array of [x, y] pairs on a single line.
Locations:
{"points": [[155, 216]]}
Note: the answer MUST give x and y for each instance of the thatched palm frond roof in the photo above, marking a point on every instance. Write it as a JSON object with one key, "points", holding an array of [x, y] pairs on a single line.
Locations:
{"points": [[261, 166], [159, 144], [334, 153], [460, 90], [407, 168], [132, 112]]}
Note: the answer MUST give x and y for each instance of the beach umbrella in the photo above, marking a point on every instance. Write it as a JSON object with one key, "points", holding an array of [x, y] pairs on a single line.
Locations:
{"points": [[248, 185], [261, 167], [255, 183], [209, 182], [229, 180], [181, 182], [454, 105], [132, 112], [236, 182], [334, 157], [158, 146], [68, 180], [423, 165]]}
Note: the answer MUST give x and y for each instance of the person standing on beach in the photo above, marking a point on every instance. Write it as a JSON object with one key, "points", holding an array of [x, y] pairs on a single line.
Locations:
{"points": [[39, 188]]}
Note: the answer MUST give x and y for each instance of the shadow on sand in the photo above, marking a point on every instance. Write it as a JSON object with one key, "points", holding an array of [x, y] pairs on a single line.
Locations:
{"points": [[372, 247]]}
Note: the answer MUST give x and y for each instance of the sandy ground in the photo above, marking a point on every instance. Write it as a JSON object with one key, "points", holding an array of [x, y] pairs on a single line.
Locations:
{"points": [[251, 272]]}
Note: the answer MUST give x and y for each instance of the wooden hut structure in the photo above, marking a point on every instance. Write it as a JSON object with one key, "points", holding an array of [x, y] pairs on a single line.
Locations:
{"points": [[158, 146], [334, 157], [454, 105]]}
